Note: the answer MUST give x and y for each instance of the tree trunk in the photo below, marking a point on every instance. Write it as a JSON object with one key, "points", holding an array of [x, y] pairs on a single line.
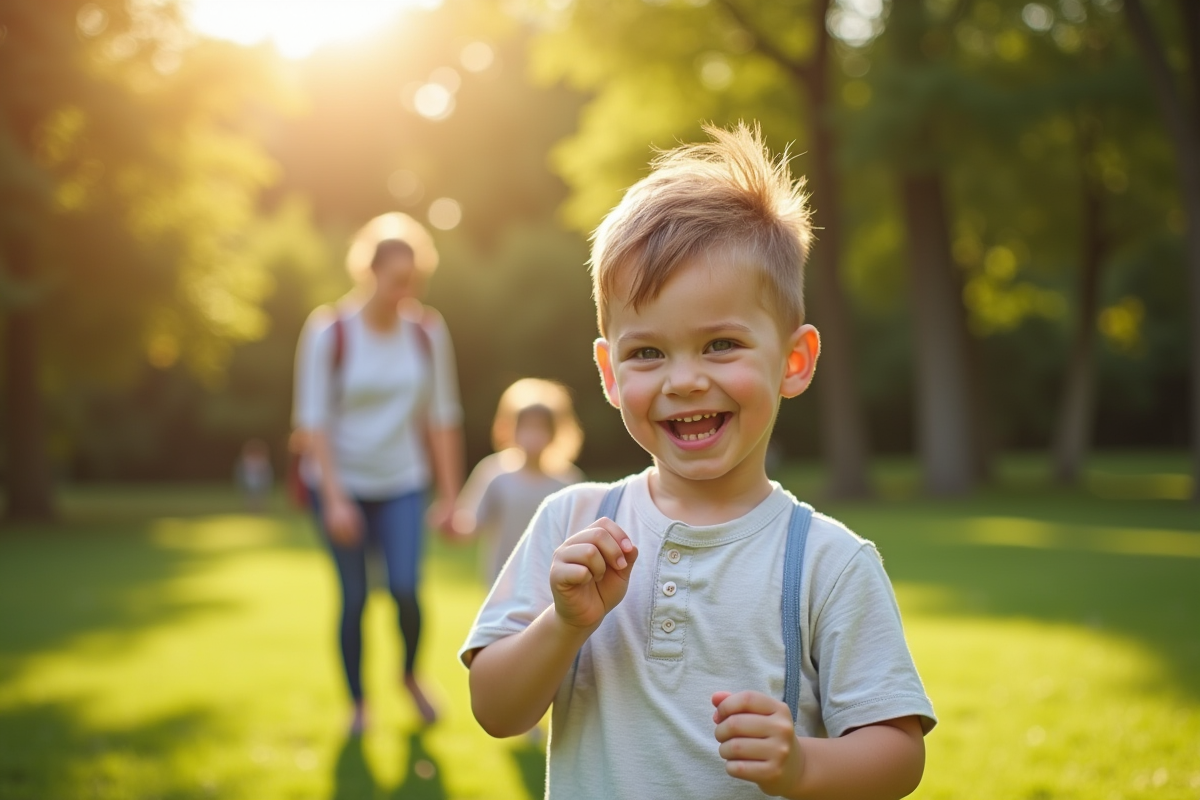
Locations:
{"points": [[1077, 409], [844, 429], [946, 433], [1184, 131], [843, 424], [27, 466]]}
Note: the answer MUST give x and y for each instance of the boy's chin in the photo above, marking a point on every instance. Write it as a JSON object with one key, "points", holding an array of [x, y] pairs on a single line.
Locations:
{"points": [[694, 471]]}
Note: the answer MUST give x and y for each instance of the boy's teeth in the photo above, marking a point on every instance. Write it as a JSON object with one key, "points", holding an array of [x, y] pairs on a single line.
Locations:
{"points": [[686, 429]]}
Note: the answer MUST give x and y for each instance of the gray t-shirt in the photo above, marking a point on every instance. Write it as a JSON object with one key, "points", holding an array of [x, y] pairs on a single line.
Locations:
{"points": [[505, 506], [703, 614], [375, 408]]}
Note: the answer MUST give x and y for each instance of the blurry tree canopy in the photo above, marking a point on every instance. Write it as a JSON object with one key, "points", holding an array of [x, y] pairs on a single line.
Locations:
{"points": [[175, 207], [130, 175], [1006, 142]]}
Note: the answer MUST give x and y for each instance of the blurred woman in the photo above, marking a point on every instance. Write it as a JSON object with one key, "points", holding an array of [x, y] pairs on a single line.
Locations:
{"points": [[378, 423]]}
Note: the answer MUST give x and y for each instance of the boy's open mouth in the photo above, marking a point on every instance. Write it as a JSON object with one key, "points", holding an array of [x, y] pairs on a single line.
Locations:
{"points": [[698, 427]]}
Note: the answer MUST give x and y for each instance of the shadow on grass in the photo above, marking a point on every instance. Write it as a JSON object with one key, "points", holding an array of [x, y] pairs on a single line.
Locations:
{"points": [[531, 762], [353, 779], [422, 775], [57, 585], [44, 750], [60, 581]]}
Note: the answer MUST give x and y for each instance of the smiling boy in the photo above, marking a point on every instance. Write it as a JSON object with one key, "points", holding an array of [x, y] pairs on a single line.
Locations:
{"points": [[713, 638]]}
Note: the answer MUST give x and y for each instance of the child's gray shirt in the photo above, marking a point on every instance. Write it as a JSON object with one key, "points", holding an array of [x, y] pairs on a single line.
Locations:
{"points": [[702, 614]]}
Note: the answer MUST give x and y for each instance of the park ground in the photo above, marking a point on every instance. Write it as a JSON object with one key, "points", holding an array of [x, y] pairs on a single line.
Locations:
{"points": [[161, 643]]}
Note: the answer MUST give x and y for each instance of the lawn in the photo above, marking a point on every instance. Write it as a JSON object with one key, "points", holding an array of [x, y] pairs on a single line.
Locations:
{"points": [[161, 644]]}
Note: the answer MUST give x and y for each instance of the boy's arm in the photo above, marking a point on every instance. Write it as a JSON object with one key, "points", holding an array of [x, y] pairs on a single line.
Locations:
{"points": [[885, 760], [759, 744], [514, 680]]}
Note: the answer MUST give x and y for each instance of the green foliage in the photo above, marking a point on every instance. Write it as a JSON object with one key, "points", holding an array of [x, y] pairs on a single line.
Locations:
{"points": [[655, 72], [147, 184], [189, 201]]}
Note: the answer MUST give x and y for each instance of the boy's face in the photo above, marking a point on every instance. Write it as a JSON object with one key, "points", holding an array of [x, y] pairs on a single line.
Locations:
{"points": [[698, 371]]}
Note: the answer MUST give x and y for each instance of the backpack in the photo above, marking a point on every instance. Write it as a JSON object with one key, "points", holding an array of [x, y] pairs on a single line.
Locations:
{"points": [[793, 569], [298, 491]]}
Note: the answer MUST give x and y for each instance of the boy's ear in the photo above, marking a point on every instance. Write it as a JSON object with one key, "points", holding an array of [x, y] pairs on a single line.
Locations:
{"points": [[607, 376], [801, 360]]}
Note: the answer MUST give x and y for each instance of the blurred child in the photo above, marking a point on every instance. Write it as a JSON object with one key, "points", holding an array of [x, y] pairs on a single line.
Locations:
{"points": [[254, 474], [536, 437]]}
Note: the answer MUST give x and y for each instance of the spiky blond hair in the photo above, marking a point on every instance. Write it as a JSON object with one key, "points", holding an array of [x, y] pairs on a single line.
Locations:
{"points": [[727, 197]]}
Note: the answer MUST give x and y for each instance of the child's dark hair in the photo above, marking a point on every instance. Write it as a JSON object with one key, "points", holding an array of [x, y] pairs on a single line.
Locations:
{"points": [[538, 396]]}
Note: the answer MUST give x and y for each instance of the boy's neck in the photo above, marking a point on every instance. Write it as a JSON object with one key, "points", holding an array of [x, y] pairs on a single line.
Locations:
{"points": [[709, 502]]}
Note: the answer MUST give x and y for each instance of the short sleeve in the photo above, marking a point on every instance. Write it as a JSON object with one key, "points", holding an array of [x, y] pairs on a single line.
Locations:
{"points": [[485, 509], [445, 407], [312, 400], [865, 672], [485, 472], [522, 591]]}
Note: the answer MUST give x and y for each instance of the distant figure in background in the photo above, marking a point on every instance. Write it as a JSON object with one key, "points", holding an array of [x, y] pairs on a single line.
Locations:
{"points": [[537, 438], [254, 475], [379, 420]]}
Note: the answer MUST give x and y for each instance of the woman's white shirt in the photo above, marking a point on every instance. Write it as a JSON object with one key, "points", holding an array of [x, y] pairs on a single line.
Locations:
{"points": [[377, 405]]}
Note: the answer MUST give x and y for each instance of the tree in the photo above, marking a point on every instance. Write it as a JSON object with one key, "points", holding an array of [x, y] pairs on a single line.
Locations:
{"points": [[926, 102], [1182, 120], [123, 144]]}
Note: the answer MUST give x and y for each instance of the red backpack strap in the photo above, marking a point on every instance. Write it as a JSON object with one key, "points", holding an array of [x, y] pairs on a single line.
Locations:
{"points": [[339, 342], [428, 317]]}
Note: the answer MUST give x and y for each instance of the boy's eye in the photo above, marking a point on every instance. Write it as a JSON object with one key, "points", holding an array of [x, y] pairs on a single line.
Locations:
{"points": [[645, 353], [721, 346]]}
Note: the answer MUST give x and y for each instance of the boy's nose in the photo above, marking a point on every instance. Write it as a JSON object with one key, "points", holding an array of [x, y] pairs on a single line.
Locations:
{"points": [[684, 378]]}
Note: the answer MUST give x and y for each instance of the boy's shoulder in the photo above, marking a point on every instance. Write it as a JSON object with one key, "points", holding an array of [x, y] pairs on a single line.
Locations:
{"points": [[833, 533], [579, 503], [582, 495], [831, 545]]}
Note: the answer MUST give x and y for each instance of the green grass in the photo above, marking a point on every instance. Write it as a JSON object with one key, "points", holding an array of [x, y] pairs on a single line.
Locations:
{"points": [[159, 644]]}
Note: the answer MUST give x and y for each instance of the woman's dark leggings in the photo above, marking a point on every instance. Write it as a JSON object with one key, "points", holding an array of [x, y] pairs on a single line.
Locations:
{"points": [[396, 526]]}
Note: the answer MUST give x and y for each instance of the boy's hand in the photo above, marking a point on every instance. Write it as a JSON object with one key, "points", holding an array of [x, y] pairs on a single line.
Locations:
{"points": [[758, 741], [590, 573]]}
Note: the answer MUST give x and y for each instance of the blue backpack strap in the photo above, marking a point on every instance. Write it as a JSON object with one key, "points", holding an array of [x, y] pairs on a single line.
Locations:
{"points": [[608, 508], [793, 569], [612, 499]]}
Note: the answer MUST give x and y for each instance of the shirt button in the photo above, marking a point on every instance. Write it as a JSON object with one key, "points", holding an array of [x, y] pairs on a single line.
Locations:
{"points": [[668, 625], [673, 556], [669, 588]]}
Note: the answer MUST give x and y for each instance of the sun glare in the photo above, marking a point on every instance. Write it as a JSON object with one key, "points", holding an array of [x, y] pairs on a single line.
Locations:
{"points": [[296, 27]]}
